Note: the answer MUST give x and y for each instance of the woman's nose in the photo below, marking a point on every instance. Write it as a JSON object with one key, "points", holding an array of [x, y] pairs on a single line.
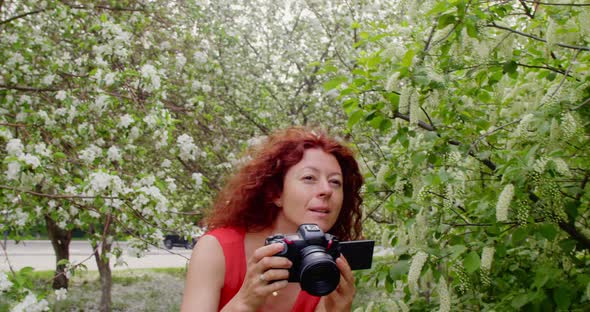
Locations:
{"points": [[325, 189]]}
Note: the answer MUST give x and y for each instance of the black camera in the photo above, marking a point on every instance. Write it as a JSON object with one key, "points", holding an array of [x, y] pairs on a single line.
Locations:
{"points": [[313, 254]]}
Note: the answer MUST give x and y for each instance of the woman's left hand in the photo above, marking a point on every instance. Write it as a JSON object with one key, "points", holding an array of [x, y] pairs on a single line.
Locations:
{"points": [[341, 298]]}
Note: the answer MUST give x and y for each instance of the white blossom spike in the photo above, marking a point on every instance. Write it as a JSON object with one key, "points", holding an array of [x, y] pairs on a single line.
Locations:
{"points": [[415, 268], [504, 203], [487, 255], [443, 296]]}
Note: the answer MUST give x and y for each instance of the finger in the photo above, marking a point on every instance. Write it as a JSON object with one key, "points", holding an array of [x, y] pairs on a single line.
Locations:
{"points": [[276, 275], [345, 269], [275, 286], [266, 251], [267, 263]]}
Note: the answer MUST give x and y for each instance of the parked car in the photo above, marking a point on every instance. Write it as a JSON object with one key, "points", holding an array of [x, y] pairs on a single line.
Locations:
{"points": [[175, 240]]}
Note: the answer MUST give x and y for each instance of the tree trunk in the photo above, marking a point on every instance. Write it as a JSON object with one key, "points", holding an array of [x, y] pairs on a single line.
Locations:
{"points": [[104, 268], [106, 280], [60, 239]]}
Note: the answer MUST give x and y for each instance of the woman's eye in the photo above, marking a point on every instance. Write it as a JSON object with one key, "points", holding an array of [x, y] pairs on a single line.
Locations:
{"points": [[336, 182], [308, 178]]}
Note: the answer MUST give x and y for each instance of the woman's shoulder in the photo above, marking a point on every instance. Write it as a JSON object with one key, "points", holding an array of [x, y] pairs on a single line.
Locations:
{"points": [[227, 235]]}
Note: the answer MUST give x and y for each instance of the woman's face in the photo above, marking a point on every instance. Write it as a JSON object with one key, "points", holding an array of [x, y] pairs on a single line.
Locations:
{"points": [[312, 192]]}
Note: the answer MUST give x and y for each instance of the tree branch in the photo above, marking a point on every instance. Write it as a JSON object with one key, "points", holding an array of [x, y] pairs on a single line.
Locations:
{"points": [[563, 45], [557, 4], [56, 196], [28, 89], [487, 162], [20, 16], [15, 125]]}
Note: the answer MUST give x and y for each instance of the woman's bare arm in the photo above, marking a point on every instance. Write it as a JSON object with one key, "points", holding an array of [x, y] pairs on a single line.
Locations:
{"points": [[205, 276]]}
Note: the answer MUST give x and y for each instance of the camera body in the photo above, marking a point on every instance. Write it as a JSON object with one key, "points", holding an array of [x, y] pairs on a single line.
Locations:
{"points": [[313, 254]]}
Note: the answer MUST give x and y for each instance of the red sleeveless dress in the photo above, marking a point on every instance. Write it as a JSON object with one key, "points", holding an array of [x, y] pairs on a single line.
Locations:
{"points": [[232, 243]]}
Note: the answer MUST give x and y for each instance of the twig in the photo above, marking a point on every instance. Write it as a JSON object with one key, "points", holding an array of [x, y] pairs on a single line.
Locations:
{"points": [[569, 68], [563, 45], [28, 89], [56, 196], [19, 16], [557, 4], [7, 259], [474, 144]]}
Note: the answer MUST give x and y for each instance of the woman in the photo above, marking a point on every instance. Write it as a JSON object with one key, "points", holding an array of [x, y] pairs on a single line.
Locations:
{"points": [[297, 176]]}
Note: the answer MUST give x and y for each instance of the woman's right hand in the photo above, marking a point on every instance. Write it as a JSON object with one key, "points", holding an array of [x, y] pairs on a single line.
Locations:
{"points": [[265, 274]]}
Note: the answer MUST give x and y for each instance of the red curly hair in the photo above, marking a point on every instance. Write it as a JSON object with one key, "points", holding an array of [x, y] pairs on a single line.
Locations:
{"points": [[247, 200]]}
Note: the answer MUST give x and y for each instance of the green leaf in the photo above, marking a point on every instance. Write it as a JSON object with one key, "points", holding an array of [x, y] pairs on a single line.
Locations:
{"points": [[408, 57], [548, 231], [399, 269], [519, 235], [509, 67], [334, 83], [63, 262], [355, 117], [445, 20], [471, 262], [567, 245], [562, 296], [520, 300], [418, 158], [457, 250]]}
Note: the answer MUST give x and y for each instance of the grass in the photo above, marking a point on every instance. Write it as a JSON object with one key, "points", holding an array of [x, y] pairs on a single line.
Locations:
{"points": [[142, 290], [133, 290]]}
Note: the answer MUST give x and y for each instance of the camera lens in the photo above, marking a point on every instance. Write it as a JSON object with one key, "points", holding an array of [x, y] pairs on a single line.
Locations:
{"points": [[319, 275]]}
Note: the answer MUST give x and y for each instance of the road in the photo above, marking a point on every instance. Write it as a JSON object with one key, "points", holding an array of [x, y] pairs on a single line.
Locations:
{"points": [[39, 255]]}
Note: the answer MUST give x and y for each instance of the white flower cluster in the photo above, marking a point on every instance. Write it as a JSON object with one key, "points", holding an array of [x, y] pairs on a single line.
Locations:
{"points": [[150, 73], [198, 177], [89, 154], [418, 231], [100, 104], [171, 184], [523, 130], [392, 82], [504, 203], [155, 194], [61, 294], [381, 174], [487, 256], [31, 304], [200, 57], [12, 170], [404, 100], [125, 121], [5, 284], [151, 120], [255, 141], [415, 268], [100, 181], [14, 147], [114, 154], [415, 111], [180, 61], [569, 126], [160, 138], [540, 165], [443, 296], [5, 134], [561, 166], [187, 148]]}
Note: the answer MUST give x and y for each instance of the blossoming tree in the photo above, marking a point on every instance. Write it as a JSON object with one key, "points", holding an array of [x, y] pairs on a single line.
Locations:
{"points": [[121, 119], [472, 118]]}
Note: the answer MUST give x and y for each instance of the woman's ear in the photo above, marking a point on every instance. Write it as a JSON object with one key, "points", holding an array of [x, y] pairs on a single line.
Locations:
{"points": [[278, 202]]}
